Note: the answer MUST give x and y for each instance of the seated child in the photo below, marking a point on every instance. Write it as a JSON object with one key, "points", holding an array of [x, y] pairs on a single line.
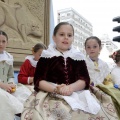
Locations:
{"points": [[8, 102], [61, 83], [27, 69], [98, 69], [100, 74], [26, 75]]}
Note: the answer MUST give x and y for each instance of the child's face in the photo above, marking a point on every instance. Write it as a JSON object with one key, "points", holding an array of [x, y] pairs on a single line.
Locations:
{"points": [[92, 48], [37, 54], [64, 38], [3, 43]]}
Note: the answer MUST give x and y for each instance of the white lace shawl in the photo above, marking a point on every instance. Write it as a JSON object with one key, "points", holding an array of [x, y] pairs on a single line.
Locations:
{"points": [[32, 61], [72, 53], [97, 76], [7, 57]]}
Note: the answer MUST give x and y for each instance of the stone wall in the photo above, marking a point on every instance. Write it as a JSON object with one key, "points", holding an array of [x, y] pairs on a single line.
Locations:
{"points": [[26, 23]]}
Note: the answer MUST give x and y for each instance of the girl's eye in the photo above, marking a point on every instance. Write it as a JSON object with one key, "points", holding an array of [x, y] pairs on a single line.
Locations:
{"points": [[88, 47], [95, 47], [70, 35], [3, 41], [61, 34]]}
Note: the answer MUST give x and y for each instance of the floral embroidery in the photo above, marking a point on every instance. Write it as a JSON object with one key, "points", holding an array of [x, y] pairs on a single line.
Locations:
{"points": [[34, 102], [97, 118], [110, 107], [45, 105], [56, 112], [54, 108], [28, 115], [60, 114]]}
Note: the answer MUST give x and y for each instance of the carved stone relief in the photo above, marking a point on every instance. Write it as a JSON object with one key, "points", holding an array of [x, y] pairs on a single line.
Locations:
{"points": [[26, 23]]}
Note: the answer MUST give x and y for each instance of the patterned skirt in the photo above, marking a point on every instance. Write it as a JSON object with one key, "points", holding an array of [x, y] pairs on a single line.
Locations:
{"points": [[43, 106]]}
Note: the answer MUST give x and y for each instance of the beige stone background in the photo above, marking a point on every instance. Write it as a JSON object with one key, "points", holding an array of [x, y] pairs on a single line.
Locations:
{"points": [[26, 23]]}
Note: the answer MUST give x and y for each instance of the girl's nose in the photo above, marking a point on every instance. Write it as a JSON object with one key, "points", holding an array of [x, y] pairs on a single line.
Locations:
{"points": [[66, 36], [91, 49]]}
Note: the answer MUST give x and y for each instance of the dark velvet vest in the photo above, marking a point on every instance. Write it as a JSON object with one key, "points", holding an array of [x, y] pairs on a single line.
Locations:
{"points": [[59, 70]]}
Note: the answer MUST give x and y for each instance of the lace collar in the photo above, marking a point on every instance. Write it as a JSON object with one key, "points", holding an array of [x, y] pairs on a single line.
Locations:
{"points": [[72, 53], [32, 61], [97, 76], [7, 57]]}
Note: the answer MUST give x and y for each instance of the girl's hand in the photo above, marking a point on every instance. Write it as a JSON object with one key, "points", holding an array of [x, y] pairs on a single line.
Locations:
{"points": [[8, 87], [59, 87], [66, 90], [31, 80]]}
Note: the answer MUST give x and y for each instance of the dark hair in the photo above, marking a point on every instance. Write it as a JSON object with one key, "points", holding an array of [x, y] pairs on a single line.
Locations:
{"points": [[38, 46], [95, 38], [2, 0], [3, 33], [59, 25], [116, 56]]}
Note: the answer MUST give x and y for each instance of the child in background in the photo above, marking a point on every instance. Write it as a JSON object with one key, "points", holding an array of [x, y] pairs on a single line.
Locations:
{"points": [[98, 69], [27, 69], [116, 70], [8, 102], [100, 75], [62, 83], [25, 77]]}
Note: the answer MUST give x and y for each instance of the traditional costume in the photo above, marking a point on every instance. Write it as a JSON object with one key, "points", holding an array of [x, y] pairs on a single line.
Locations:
{"points": [[98, 71], [101, 81], [27, 70], [8, 102], [68, 67]]}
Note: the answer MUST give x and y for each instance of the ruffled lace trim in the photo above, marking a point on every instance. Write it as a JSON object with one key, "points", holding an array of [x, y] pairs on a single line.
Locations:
{"points": [[7, 57], [32, 61], [72, 53]]}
